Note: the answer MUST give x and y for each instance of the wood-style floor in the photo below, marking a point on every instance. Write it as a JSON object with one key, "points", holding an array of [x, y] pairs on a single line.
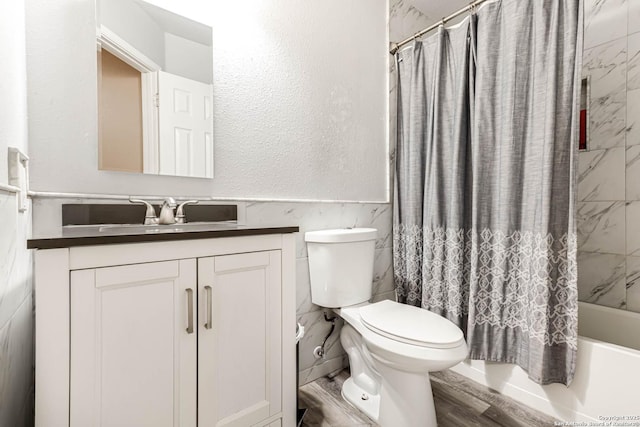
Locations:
{"points": [[459, 402]]}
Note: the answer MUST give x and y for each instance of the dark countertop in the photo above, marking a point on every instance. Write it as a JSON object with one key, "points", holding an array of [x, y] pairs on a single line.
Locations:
{"points": [[117, 234]]}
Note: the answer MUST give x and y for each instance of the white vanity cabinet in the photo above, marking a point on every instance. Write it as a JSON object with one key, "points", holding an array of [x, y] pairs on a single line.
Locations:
{"points": [[178, 334], [133, 363], [239, 341]]}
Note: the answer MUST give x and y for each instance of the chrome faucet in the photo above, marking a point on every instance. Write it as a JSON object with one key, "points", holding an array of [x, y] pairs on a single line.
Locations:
{"points": [[166, 211], [167, 216]]}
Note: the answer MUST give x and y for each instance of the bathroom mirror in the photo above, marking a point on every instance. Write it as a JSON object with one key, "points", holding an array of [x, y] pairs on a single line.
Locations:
{"points": [[155, 93]]}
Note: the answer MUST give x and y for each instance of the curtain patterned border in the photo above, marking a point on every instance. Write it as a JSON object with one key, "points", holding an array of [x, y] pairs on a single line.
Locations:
{"points": [[513, 276]]}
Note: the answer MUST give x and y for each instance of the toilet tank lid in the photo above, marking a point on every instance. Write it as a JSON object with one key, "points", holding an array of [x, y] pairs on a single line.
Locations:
{"points": [[341, 235]]}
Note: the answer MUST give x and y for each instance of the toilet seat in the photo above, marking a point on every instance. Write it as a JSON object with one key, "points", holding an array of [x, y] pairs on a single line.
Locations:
{"points": [[399, 353], [410, 325]]}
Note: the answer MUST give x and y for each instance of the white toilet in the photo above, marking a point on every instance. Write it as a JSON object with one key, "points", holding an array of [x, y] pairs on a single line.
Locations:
{"points": [[392, 347]]}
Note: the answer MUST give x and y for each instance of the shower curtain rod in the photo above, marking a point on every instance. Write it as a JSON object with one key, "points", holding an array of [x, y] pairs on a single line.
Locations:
{"points": [[393, 47]]}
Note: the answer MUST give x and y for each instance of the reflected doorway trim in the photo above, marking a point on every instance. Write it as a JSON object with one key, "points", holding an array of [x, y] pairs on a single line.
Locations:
{"points": [[117, 46]]}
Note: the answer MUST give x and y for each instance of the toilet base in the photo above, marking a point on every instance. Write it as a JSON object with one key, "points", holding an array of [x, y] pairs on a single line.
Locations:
{"points": [[353, 394], [406, 399]]}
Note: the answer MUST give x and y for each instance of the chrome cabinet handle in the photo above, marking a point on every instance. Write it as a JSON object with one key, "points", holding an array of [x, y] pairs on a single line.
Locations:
{"points": [[209, 323], [189, 311]]}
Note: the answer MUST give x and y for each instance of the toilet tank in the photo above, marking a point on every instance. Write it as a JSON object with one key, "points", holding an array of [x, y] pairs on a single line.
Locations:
{"points": [[341, 265]]}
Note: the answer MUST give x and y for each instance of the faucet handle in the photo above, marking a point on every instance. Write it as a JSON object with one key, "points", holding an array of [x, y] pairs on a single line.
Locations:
{"points": [[150, 217], [180, 216]]}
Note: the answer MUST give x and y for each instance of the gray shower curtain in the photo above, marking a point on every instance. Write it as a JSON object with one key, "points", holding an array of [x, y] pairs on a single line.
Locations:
{"points": [[484, 230]]}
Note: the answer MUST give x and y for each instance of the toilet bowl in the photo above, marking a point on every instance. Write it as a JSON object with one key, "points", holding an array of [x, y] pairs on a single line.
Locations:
{"points": [[391, 347], [400, 363]]}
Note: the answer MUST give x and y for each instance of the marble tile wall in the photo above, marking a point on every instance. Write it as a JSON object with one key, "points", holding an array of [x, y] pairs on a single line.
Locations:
{"points": [[609, 170], [16, 317]]}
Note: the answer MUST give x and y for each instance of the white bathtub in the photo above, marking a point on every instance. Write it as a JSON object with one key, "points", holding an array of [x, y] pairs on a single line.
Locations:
{"points": [[610, 325], [607, 375]]}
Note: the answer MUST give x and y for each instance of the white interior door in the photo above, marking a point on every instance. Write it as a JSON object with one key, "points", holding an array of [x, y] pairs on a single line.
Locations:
{"points": [[133, 361], [239, 339], [186, 126]]}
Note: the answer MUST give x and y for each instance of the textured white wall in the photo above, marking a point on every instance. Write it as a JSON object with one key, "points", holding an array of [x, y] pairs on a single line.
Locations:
{"points": [[302, 87], [300, 101]]}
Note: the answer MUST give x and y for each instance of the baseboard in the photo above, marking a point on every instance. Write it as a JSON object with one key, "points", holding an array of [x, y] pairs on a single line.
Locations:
{"points": [[323, 369]]}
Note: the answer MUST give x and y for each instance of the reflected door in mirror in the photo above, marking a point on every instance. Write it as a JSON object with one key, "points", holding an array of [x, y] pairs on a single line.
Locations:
{"points": [[186, 127]]}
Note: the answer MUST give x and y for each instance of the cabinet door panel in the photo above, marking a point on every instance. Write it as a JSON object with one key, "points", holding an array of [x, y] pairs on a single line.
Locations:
{"points": [[132, 361], [239, 356]]}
